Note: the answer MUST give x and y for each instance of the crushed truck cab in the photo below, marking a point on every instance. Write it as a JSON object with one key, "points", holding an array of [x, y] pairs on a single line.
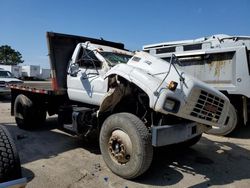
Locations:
{"points": [[131, 101], [191, 99]]}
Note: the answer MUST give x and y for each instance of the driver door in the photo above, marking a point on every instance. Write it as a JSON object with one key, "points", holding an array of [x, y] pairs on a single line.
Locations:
{"points": [[88, 84]]}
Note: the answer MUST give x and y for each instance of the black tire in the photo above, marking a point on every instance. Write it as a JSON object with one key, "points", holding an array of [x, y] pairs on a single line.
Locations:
{"points": [[10, 167], [27, 114], [126, 135]]}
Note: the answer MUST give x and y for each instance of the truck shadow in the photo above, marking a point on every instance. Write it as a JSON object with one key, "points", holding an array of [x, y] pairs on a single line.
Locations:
{"points": [[241, 132], [5, 98], [215, 163], [28, 174], [45, 142]]}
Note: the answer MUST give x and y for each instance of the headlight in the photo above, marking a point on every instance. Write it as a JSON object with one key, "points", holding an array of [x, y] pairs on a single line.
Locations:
{"points": [[171, 105]]}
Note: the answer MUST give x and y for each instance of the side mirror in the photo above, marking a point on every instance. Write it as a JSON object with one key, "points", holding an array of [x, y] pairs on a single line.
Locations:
{"points": [[74, 69]]}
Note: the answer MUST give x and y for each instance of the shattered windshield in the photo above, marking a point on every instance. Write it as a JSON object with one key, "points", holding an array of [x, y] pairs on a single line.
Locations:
{"points": [[115, 58]]}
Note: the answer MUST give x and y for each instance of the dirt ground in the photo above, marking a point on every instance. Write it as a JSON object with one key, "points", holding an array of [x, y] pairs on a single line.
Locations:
{"points": [[52, 158]]}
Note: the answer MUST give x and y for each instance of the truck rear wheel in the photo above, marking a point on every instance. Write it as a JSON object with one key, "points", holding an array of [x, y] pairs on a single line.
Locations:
{"points": [[27, 114], [10, 167], [125, 145]]}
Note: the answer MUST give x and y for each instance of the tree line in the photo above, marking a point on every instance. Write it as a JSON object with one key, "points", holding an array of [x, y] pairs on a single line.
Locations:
{"points": [[9, 56]]}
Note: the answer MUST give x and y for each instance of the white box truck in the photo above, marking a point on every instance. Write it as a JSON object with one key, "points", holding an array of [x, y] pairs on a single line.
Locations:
{"points": [[45, 74], [32, 71]]}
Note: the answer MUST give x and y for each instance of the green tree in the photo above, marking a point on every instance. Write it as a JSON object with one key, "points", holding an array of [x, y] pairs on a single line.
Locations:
{"points": [[9, 56]]}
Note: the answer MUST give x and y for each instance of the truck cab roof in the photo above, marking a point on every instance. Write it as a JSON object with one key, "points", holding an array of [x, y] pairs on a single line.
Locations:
{"points": [[101, 48]]}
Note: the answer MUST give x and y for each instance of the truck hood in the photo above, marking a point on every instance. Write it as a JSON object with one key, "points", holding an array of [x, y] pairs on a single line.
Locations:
{"points": [[144, 68], [158, 68], [151, 64], [153, 74]]}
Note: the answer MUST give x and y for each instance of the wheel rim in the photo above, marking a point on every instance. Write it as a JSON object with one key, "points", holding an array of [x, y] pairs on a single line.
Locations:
{"points": [[120, 147]]}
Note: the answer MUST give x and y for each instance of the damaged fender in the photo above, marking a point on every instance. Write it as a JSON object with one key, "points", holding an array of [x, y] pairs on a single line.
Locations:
{"points": [[134, 75]]}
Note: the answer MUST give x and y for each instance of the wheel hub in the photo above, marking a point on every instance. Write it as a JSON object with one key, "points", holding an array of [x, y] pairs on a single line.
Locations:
{"points": [[120, 146]]}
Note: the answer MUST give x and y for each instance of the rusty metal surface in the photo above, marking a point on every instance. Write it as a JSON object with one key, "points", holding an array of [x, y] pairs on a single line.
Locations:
{"points": [[217, 68]]}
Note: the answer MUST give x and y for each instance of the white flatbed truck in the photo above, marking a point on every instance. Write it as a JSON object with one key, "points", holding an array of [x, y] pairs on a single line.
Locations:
{"points": [[133, 101]]}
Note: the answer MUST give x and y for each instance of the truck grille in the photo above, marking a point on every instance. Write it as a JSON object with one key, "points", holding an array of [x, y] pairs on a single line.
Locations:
{"points": [[208, 107]]}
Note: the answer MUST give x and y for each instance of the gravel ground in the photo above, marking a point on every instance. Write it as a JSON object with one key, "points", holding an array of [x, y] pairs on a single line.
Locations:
{"points": [[52, 158]]}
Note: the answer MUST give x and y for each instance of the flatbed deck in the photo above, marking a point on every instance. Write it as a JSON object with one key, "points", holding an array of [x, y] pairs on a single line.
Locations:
{"points": [[44, 87]]}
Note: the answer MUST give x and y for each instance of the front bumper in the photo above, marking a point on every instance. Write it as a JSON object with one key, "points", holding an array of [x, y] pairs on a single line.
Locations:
{"points": [[173, 134]]}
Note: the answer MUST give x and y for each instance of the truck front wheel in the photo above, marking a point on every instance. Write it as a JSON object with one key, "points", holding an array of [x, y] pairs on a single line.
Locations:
{"points": [[125, 145], [27, 114]]}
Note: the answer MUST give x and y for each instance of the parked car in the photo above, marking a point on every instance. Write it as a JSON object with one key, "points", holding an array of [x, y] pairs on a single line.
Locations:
{"points": [[6, 77]]}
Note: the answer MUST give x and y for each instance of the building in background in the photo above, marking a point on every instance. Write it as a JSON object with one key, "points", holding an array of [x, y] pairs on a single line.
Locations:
{"points": [[44, 74], [31, 71], [28, 71]]}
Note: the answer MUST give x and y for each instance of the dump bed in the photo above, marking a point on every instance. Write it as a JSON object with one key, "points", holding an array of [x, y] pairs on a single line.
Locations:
{"points": [[61, 48]]}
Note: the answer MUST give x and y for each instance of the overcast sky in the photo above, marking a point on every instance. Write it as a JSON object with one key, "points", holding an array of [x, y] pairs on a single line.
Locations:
{"points": [[133, 22]]}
